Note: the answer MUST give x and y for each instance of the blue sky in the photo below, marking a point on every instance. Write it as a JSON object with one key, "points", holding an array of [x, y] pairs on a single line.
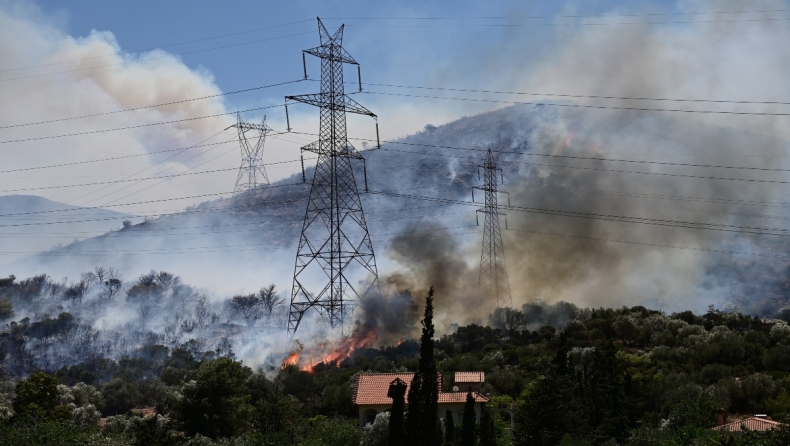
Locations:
{"points": [[410, 52]]}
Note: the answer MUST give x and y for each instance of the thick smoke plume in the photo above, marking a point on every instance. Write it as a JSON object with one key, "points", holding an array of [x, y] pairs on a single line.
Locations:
{"points": [[90, 75], [588, 258]]}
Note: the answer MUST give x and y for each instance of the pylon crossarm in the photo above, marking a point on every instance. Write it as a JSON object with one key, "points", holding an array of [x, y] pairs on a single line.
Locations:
{"points": [[247, 126], [332, 102], [336, 54]]}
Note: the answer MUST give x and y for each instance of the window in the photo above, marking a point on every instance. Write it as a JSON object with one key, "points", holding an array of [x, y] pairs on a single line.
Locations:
{"points": [[370, 416]]}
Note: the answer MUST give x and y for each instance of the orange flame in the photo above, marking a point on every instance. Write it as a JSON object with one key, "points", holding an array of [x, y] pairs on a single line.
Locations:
{"points": [[327, 354], [400, 341]]}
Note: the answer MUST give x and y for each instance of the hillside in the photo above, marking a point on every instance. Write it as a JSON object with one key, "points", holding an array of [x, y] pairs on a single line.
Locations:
{"points": [[560, 244], [26, 217]]}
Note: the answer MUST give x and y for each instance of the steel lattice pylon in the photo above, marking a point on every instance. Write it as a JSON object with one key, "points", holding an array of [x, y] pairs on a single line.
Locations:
{"points": [[335, 244], [493, 279], [251, 157]]}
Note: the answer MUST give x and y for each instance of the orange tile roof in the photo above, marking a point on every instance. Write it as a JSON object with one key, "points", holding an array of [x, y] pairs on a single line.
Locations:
{"points": [[751, 423], [470, 377], [372, 388]]}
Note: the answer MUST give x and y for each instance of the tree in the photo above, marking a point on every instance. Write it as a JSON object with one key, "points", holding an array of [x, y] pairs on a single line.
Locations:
{"points": [[6, 309], [37, 397], [397, 392], [449, 428], [487, 430], [421, 421], [76, 291], [468, 422], [377, 433], [119, 396], [248, 306], [270, 300], [274, 411], [215, 404], [111, 282]]}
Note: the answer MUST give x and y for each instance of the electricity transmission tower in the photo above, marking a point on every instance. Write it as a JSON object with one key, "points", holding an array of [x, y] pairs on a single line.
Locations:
{"points": [[251, 158], [335, 247], [493, 274]]}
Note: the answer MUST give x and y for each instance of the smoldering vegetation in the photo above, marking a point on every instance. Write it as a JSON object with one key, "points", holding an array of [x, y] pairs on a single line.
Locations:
{"points": [[584, 226], [54, 325]]}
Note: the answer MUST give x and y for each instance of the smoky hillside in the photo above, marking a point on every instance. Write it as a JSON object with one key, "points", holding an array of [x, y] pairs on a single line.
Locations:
{"points": [[605, 209]]}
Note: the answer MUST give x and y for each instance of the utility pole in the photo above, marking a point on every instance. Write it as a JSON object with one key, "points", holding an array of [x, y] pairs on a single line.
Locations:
{"points": [[335, 253], [251, 159], [493, 279]]}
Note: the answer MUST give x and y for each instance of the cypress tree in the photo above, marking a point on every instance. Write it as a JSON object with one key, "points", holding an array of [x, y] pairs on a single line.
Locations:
{"points": [[397, 392], [449, 427], [421, 421], [487, 429], [468, 436]]}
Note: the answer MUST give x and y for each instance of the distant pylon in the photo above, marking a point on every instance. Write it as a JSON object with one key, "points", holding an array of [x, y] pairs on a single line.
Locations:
{"points": [[335, 253], [251, 168], [493, 279]]}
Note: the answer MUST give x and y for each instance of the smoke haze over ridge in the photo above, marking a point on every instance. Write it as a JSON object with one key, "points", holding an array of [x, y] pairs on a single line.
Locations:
{"points": [[563, 258]]}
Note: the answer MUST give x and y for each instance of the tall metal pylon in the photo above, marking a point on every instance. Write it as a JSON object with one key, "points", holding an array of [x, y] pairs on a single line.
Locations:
{"points": [[493, 279], [335, 253], [251, 158]]}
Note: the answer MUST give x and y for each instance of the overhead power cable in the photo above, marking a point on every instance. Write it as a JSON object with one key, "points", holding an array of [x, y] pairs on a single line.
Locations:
{"points": [[654, 245], [156, 47], [581, 96], [611, 217], [589, 158], [153, 58], [142, 179], [602, 107], [188, 250], [146, 202], [648, 14], [92, 132], [616, 170], [246, 90], [101, 160], [151, 166], [553, 25]]}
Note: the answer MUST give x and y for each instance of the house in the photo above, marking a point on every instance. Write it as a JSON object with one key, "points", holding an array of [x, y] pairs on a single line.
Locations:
{"points": [[758, 423], [370, 396], [469, 381]]}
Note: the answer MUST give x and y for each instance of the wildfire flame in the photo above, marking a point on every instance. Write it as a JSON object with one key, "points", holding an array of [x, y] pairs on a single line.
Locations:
{"points": [[327, 354]]}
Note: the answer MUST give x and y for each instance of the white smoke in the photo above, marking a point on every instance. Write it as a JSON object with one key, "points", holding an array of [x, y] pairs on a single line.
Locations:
{"points": [[94, 76]]}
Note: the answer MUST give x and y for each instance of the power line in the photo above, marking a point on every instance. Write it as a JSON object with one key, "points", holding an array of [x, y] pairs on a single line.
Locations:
{"points": [[146, 202], [612, 217], [91, 132], [552, 25], [565, 16], [155, 47], [174, 251], [246, 90], [604, 107], [140, 179], [590, 158], [114, 158], [655, 245], [581, 96], [155, 164], [153, 58], [156, 232]]}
